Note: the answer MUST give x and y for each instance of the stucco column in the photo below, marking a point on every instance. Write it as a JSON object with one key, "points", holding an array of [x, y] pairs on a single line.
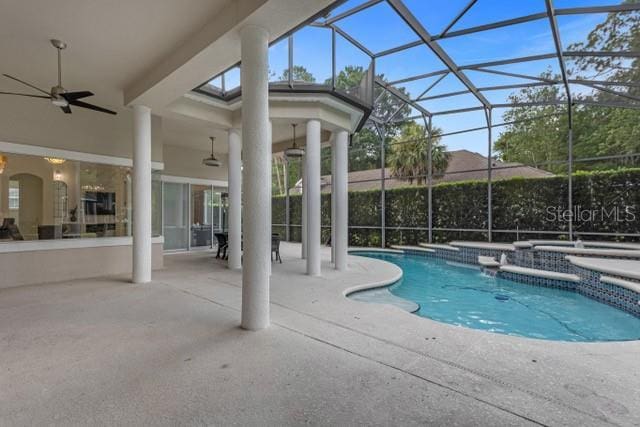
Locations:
{"points": [[256, 177], [235, 200], [303, 215], [341, 187], [313, 197], [333, 199], [270, 143], [141, 194]]}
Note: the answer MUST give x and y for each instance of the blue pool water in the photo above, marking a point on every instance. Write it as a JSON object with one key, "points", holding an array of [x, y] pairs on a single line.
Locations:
{"points": [[462, 295]]}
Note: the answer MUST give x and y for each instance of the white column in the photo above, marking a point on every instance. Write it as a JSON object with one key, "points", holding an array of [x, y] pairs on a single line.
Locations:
{"points": [[235, 200], [256, 177], [141, 194], [340, 148], [313, 197], [333, 199], [303, 218], [270, 143]]}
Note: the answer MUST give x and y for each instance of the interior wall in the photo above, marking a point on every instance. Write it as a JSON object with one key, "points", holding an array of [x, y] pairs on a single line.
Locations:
{"points": [[38, 122], [187, 162]]}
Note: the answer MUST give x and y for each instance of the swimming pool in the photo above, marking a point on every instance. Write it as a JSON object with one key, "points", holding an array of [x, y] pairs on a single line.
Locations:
{"points": [[462, 295]]}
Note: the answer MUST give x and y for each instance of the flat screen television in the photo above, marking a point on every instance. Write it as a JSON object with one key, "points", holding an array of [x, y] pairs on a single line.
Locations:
{"points": [[99, 203]]}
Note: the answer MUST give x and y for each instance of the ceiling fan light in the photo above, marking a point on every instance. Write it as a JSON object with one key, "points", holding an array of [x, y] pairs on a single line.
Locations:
{"points": [[59, 102], [294, 152], [212, 161]]}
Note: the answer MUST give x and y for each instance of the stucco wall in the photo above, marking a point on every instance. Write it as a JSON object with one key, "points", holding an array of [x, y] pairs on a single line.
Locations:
{"points": [[187, 162], [33, 267]]}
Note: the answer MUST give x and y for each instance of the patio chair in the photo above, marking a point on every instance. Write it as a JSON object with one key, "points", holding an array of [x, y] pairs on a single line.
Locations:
{"points": [[222, 245], [275, 247]]}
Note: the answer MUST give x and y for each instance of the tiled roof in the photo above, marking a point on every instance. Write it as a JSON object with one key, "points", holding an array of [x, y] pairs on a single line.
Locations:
{"points": [[463, 165]]}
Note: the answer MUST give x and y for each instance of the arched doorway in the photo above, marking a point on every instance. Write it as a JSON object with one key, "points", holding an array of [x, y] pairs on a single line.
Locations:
{"points": [[25, 203]]}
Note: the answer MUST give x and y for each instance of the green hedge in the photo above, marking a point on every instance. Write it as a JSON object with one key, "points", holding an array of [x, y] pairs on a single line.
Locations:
{"points": [[518, 204]]}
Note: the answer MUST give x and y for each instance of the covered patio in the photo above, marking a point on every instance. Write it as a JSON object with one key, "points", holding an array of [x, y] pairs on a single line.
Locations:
{"points": [[170, 352], [346, 132]]}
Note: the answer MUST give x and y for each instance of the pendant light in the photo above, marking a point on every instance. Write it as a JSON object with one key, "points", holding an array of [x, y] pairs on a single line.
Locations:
{"points": [[294, 150], [212, 160]]}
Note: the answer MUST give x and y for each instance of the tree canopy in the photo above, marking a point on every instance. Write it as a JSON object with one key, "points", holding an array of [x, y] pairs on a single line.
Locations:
{"points": [[409, 153], [542, 139]]}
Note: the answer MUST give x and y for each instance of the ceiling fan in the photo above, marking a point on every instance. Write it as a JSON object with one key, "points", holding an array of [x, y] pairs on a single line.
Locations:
{"points": [[58, 94]]}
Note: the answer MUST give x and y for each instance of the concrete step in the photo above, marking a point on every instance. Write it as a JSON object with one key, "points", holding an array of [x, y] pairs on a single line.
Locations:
{"points": [[484, 245], [627, 284], [439, 246], [412, 248]]}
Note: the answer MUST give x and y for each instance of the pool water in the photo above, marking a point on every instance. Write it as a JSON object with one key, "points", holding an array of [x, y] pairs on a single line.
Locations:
{"points": [[462, 295]]}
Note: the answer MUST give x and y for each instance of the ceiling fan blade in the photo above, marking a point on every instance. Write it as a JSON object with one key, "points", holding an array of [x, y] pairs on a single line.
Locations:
{"points": [[69, 96], [91, 107], [66, 109], [27, 84], [25, 94]]}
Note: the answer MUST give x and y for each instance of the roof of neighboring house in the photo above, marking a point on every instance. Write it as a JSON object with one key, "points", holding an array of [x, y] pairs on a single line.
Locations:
{"points": [[464, 165]]}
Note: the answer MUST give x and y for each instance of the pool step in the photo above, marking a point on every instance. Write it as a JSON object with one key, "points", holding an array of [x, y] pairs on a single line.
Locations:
{"points": [[627, 284], [484, 245], [545, 274], [439, 246], [412, 248], [384, 296]]}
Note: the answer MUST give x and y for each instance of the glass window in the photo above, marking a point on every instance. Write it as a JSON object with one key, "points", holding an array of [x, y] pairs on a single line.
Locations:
{"points": [[176, 220], [54, 198], [201, 216], [14, 195]]}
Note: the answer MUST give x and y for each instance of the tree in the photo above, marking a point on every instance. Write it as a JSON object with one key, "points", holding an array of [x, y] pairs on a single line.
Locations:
{"points": [[386, 104], [299, 73], [365, 153], [408, 157], [598, 131]]}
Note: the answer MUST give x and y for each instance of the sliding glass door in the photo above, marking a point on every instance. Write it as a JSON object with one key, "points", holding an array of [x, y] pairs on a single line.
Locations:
{"points": [[193, 213], [176, 216], [201, 216]]}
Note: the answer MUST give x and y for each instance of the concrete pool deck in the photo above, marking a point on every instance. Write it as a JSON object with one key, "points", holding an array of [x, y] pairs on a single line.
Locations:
{"points": [[104, 351]]}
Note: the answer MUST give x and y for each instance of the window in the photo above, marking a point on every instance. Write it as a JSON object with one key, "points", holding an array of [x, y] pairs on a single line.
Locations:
{"points": [[14, 195], [53, 198]]}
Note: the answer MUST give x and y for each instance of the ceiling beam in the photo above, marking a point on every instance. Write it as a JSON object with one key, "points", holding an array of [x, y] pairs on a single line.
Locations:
{"points": [[418, 28], [432, 85], [419, 77], [352, 11], [627, 7], [517, 75], [458, 17], [563, 69], [508, 61], [398, 94], [353, 41]]}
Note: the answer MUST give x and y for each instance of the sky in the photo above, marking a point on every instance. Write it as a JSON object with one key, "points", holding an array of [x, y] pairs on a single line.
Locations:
{"points": [[380, 28]]}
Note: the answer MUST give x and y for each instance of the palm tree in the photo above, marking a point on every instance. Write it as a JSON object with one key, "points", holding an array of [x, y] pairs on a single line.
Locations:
{"points": [[408, 155]]}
